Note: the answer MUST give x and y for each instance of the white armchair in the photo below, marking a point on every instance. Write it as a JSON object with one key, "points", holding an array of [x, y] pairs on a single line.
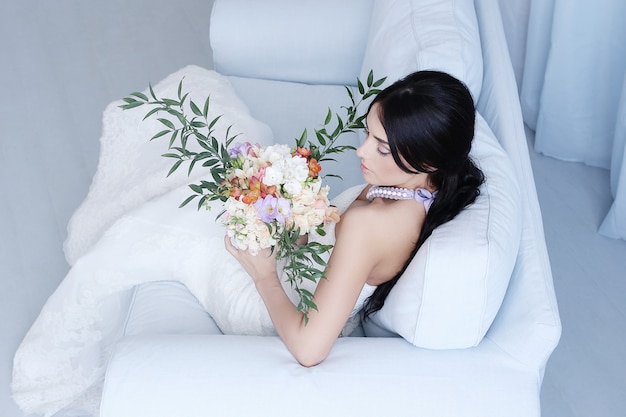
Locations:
{"points": [[288, 61]]}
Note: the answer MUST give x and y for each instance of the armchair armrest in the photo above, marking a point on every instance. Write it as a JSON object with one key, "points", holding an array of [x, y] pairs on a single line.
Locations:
{"points": [[200, 375]]}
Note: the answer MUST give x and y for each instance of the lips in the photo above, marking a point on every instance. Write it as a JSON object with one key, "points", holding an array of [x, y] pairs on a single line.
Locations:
{"points": [[364, 168]]}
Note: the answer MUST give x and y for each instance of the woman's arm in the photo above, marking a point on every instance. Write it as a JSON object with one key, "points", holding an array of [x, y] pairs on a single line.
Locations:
{"points": [[354, 256]]}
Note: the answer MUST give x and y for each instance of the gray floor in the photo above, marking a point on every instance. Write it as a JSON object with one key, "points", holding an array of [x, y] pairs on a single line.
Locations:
{"points": [[63, 62]]}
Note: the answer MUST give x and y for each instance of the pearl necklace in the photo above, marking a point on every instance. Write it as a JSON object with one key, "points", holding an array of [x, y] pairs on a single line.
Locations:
{"points": [[393, 193]]}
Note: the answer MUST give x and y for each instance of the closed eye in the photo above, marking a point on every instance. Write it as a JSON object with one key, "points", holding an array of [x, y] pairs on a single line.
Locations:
{"points": [[383, 146]]}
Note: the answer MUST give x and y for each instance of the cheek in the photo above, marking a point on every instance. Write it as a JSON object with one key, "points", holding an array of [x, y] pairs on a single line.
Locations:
{"points": [[392, 173]]}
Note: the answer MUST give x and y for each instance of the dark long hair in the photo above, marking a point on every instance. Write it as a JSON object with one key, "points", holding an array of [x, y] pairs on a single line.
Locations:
{"points": [[429, 119]]}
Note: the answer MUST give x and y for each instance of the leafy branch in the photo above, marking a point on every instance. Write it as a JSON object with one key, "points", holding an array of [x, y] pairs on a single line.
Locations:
{"points": [[327, 139], [197, 126]]}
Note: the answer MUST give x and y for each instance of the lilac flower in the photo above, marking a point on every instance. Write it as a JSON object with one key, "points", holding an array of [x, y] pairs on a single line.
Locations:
{"points": [[266, 208], [283, 210], [272, 208], [239, 148]]}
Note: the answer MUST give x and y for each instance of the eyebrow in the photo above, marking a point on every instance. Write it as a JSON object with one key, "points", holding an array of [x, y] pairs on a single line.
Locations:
{"points": [[381, 141]]}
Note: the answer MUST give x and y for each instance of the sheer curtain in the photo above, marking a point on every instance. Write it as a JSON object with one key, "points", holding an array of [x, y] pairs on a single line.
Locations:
{"points": [[573, 88]]}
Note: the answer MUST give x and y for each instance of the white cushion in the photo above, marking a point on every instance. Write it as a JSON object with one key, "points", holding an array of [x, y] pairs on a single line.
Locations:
{"points": [[406, 36], [453, 288], [315, 41], [166, 307]]}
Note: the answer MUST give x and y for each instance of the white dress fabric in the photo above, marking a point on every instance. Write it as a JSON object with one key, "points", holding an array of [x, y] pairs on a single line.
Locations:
{"points": [[134, 239]]}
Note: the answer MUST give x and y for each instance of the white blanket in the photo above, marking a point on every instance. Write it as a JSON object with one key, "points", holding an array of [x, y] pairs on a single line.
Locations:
{"points": [[130, 230]]}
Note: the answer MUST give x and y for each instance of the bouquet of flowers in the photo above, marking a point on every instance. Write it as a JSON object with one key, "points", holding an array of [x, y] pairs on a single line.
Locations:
{"points": [[273, 195]]}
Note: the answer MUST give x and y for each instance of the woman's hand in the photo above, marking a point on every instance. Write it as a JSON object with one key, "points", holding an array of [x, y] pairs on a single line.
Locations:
{"points": [[259, 267]]}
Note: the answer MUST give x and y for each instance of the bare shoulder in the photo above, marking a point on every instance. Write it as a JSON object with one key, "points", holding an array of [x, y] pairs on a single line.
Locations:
{"points": [[381, 229], [361, 218], [381, 218], [367, 226]]}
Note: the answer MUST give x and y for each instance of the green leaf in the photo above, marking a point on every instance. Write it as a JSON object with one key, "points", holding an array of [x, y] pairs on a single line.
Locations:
{"points": [[309, 303], [202, 155], [200, 137], [178, 115], [187, 200], [174, 167], [191, 165], [217, 175], [201, 201], [370, 78], [173, 138], [230, 138], [371, 93], [151, 112], [360, 86], [320, 138], [302, 140], [349, 90], [195, 109], [198, 125], [210, 163], [334, 176], [204, 145], [167, 123], [140, 95], [380, 82], [152, 92], [180, 88], [131, 105], [205, 111], [318, 259], [161, 133], [329, 117], [214, 121], [171, 102]]}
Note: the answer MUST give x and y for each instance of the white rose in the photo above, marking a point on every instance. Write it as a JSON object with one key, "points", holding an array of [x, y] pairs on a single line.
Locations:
{"points": [[306, 197], [297, 169], [293, 187], [274, 153], [273, 175]]}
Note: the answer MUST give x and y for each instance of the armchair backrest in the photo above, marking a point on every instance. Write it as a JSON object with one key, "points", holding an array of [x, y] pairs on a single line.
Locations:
{"points": [[293, 46]]}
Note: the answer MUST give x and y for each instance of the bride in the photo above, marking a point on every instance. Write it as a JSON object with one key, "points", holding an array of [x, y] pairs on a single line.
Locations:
{"points": [[415, 160]]}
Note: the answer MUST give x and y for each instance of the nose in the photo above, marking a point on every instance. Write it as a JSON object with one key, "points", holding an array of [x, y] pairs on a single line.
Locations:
{"points": [[361, 150]]}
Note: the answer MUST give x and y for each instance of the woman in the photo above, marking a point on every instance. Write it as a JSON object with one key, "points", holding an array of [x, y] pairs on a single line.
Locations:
{"points": [[416, 161]]}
